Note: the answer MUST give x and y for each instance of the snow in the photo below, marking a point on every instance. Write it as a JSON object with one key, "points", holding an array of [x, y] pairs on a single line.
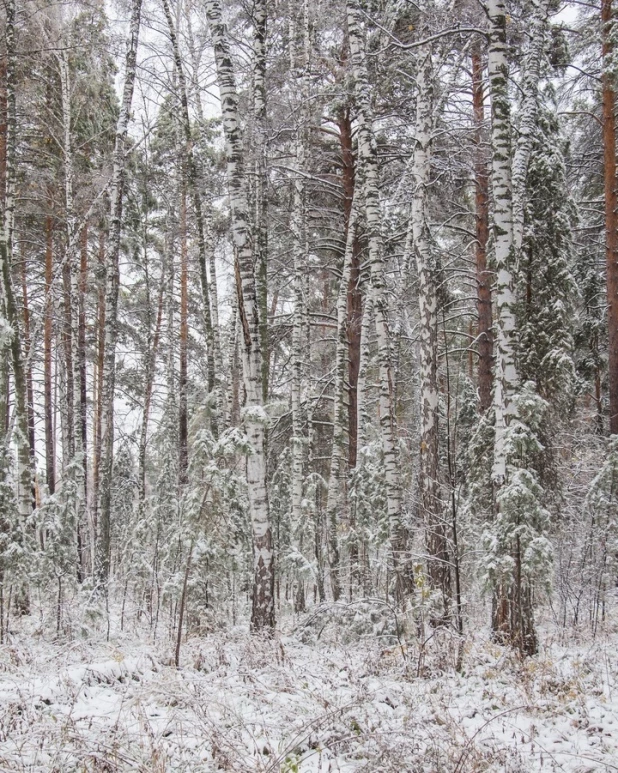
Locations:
{"points": [[241, 703]]}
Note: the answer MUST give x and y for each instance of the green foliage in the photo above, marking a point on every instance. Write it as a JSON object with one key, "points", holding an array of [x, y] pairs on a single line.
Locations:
{"points": [[516, 545], [546, 285]]}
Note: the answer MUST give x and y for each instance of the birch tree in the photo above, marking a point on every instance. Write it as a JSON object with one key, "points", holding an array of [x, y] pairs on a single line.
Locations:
{"points": [[369, 171], [112, 283], [518, 549], [24, 472], [255, 418], [437, 546], [608, 86]]}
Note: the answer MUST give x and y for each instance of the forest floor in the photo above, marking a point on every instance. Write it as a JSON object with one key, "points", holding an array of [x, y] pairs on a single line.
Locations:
{"points": [[299, 704]]}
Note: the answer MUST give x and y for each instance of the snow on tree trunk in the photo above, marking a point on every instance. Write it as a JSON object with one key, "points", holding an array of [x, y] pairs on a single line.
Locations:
{"points": [[431, 502], [516, 546], [298, 226], [505, 377], [112, 282], [355, 298], [213, 342], [485, 334], [24, 471], [255, 418], [529, 110], [367, 153], [76, 470], [611, 205], [337, 500], [50, 445], [260, 20]]}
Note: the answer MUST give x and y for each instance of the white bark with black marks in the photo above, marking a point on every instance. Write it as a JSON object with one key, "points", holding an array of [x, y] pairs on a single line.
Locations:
{"points": [[369, 175], [255, 418], [505, 375], [112, 281]]}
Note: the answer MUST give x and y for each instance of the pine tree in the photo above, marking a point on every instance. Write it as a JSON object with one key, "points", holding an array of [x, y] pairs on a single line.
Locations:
{"points": [[546, 289]]}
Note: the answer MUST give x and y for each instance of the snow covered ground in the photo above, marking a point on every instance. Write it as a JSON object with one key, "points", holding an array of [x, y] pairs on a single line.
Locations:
{"points": [[244, 704]]}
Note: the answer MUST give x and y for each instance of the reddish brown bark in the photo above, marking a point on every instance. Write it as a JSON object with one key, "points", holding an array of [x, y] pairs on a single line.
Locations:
{"points": [[483, 276], [67, 334], [27, 343], [151, 367], [50, 446], [611, 215]]}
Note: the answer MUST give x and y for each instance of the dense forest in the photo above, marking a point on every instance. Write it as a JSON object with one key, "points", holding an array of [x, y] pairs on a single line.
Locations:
{"points": [[309, 323]]}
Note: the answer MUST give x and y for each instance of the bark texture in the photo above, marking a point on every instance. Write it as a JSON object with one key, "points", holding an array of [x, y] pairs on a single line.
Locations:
{"points": [[430, 495], [483, 275], [367, 153], [255, 419], [112, 281], [611, 207]]}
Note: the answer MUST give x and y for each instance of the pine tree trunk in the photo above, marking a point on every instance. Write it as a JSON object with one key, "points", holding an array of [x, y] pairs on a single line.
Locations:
{"points": [[367, 152], [112, 280], [150, 374], [213, 357], [28, 359], [483, 275], [263, 609], [611, 207]]}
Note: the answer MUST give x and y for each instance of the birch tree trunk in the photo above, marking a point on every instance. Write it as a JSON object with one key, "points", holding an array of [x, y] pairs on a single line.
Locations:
{"points": [[260, 18], [24, 471], [512, 618], [506, 378], [183, 425], [112, 282], [255, 418], [77, 463], [611, 205], [298, 441], [367, 153], [431, 502], [355, 297], [50, 446], [483, 275], [337, 483]]}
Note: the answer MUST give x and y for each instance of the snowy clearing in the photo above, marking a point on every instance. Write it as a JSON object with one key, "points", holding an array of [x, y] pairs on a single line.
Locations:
{"points": [[245, 704]]}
